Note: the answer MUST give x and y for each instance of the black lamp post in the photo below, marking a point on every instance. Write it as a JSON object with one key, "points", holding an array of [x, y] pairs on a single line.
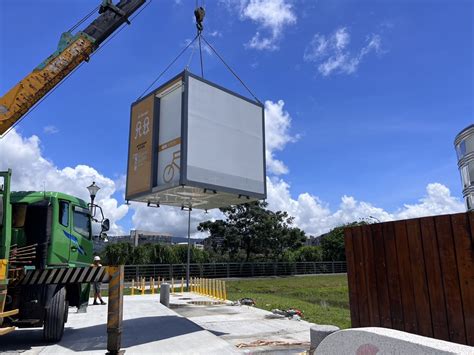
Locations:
{"points": [[92, 192]]}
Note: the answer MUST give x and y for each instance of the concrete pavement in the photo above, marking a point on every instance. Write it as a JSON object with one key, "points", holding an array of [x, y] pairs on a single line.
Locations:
{"points": [[192, 325], [251, 329], [148, 328]]}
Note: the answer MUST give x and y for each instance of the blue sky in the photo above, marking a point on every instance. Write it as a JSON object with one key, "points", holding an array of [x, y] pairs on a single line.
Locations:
{"points": [[376, 90]]}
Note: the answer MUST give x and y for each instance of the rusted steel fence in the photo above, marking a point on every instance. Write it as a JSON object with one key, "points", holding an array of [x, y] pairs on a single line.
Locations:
{"points": [[414, 275]]}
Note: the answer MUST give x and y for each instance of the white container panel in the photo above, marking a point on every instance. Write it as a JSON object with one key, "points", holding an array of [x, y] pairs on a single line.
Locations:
{"points": [[169, 138], [225, 139]]}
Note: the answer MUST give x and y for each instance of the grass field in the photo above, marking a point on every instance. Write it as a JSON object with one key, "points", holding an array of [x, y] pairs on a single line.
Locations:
{"points": [[323, 299]]}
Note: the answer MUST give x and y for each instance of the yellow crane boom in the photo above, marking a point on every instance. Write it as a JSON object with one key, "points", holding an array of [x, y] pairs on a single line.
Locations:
{"points": [[72, 51]]}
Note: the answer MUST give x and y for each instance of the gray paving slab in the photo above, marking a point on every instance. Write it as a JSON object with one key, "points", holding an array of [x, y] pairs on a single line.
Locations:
{"points": [[244, 325], [148, 328]]}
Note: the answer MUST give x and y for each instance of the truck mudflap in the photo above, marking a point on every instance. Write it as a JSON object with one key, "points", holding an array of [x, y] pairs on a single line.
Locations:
{"points": [[64, 276]]}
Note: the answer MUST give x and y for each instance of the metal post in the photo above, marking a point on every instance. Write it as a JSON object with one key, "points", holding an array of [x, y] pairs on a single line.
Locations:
{"points": [[188, 258], [115, 309]]}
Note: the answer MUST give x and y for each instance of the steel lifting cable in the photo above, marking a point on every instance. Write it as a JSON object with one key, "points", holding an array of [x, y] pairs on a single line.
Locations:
{"points": [[200, 55], [230, 69], [169, 66], [191, 57], [80, 22]]}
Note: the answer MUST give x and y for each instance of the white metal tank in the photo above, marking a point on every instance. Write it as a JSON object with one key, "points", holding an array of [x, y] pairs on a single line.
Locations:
{"points": [[464, 144]]}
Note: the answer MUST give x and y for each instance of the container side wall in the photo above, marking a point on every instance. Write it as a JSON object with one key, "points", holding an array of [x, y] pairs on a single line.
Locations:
{"points": [[225, 139], [140, 158]]}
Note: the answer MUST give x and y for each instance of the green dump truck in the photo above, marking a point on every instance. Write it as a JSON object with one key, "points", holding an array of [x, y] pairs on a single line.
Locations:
{"points": [[46, 251]]}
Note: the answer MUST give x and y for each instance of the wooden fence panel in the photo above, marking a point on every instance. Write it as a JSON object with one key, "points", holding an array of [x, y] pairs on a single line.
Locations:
{"points": [[420, 284], [370, 276], [449, 272], [433, 275], [415, 275], [463, 233], [396, 308], [351, 278], [362, 297], [406, 281], [381, 273]]}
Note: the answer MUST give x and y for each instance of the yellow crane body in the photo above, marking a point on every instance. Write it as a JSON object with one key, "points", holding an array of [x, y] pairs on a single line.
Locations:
{"points": [[71, 52], [24, 95]]}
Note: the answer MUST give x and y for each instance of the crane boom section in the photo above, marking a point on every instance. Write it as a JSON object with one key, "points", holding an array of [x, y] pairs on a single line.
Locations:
{"points": [[38, 83], [72, 51]]}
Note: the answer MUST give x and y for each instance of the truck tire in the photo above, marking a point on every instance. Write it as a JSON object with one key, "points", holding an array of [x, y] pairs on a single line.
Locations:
{"points": [[55, 315], [66, 311]]}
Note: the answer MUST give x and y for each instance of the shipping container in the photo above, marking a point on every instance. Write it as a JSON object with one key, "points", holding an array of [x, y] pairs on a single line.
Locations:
{"points": [[193, 143]]}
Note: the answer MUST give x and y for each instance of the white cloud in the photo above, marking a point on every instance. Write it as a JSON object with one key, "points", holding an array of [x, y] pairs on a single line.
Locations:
{"points": [[332, 55], [214, 33], [166, 219], [277, 136], [32, 171], [50, 129], [438, 200], [315, 217], [271, 17]]}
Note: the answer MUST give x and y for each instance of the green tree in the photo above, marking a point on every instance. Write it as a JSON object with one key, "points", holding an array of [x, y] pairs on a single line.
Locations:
{"points": [[332, 243], [253, 229], [164, 254], [117, 253], [309, 253]]}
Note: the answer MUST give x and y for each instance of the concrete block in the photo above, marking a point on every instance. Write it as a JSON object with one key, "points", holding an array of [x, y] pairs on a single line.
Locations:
{"points": [[319, 332], [165, 294], [371, 341]]}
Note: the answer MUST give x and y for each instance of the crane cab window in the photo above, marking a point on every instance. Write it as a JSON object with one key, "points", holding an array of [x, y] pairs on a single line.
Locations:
{"points": [[64, 213]]}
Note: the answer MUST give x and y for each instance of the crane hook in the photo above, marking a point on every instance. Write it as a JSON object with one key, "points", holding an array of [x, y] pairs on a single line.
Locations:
{"points": [[199, 13]]}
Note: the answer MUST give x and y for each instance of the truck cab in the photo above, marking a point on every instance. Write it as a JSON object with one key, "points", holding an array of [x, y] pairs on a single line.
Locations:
{"points": [[46, 233], [58, 223]]}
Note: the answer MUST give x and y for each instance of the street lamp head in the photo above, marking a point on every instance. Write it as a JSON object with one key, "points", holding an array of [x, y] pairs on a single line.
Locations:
{"points": [[93, 189]]}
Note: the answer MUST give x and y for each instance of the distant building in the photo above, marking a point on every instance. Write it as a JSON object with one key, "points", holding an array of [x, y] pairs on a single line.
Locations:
{"points": [[193, 244], [144, 237], [135, 238], [315, 241], [139, 237]]}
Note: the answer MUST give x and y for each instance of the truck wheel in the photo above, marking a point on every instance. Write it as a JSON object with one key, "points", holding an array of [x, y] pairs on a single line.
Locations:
{"points": [[55, 315], [66, 311]]}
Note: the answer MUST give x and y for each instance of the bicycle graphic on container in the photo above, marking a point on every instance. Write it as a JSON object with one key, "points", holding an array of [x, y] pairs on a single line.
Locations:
{"points": [[169, 171]]}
